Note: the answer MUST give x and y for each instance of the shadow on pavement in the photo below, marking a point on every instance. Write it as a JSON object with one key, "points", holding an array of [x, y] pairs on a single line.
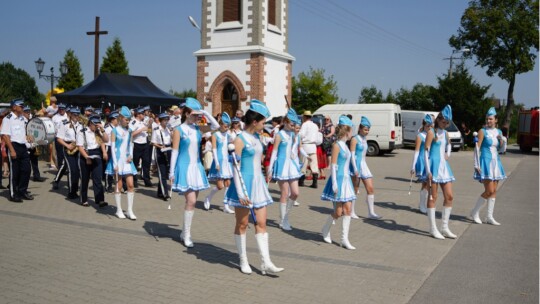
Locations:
{"points": [[401, 179], [323, 210], [214, 255], [160, 230], [392, 225], [394, 206]]}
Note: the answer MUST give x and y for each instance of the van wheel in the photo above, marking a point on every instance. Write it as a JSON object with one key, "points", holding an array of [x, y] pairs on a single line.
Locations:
{"points": [[373, 149]]}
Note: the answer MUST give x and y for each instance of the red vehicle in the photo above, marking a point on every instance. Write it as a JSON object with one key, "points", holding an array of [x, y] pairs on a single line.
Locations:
{"points": [[527, 137]]}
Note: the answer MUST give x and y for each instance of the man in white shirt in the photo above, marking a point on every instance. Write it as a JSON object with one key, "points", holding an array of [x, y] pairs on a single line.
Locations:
{"points": [[176, 117], [53, 108], [308, 134]]}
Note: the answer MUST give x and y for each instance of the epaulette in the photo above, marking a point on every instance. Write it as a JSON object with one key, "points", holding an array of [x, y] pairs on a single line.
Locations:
{"points": [[66, 122], [133, 122], [9, 115], [156, 128], [84, 129]]}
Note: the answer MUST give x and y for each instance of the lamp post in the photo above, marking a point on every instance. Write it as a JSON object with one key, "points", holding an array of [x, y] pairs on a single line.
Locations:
{"points": [[40, 64], [464, 50]]}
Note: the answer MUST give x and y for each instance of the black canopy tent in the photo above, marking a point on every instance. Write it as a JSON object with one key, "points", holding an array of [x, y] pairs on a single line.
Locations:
{"points": [[119, 90]]}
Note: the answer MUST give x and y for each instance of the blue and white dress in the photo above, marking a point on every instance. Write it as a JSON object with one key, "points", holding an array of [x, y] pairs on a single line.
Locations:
{"points": [[360, 156], [420, 165], [251, 170], [345, 187], [189, 174], [287, 165], [123, 149], [439, 166], [225, 169], [489, 161]]}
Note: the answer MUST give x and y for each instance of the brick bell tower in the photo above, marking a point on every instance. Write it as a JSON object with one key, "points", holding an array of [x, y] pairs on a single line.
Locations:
{"points": [[243, 55]]}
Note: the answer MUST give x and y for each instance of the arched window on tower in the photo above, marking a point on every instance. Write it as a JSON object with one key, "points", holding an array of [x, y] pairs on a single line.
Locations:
{"points": [[232, 10]]}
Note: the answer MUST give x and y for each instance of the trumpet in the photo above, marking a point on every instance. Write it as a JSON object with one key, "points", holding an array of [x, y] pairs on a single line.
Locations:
{"points": [[72, 151]]}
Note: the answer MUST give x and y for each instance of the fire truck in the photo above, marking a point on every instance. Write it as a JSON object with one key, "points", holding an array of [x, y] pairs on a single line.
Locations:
{"points": [[527, 136]]}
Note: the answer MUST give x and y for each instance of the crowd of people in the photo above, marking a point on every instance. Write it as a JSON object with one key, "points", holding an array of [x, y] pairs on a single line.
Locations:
{"points": [[242, 160]]}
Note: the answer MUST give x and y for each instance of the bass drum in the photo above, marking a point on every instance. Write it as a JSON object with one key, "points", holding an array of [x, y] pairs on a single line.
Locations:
{"points": [[42, 129]]}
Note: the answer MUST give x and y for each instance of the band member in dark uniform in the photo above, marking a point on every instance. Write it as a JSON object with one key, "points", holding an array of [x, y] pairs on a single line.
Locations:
{"points": [[59, 119], [161, 140], [140, 150], [67, 137], [91, 160], [14, 135]]}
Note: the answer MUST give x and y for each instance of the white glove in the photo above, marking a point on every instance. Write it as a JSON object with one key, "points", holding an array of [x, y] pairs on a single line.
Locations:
{"points": [[272, 161], [448, 150], [216, 160], [334, 179], [502, 144], [353, 162], [238, 184], [174, 157], [214, 125], [415, 159], [426, 157]]}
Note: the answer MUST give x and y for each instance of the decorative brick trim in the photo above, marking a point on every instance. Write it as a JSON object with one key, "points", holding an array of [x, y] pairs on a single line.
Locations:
{"points": [[202, 64], [217, 88], [289, 82], [257, 75]]}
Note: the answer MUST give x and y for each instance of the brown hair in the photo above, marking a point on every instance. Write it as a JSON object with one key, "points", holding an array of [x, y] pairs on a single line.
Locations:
{"points": [[342, 130]]}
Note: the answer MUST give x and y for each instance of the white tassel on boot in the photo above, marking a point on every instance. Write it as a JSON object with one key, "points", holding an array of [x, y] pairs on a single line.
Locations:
{"points": [[353, 210], [491, 206], [185, 236], [445, 231], [346, 222], [131, 215], [432, 226], [208, 199], [370, 201], [240, 241], [118, 199], [422, 206], [267, 265], [326, 229], [475, 213]]}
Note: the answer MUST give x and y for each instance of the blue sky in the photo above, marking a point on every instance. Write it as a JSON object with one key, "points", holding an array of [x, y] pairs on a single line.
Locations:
{"points": [[389, 44]]}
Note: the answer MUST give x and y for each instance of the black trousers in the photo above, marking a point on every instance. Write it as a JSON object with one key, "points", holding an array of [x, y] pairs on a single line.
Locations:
{"points": [[19, 170], [141, 153], [72, 164], [34, 163], [162, 159], [94, 169], [109, 179], [60, 161]]}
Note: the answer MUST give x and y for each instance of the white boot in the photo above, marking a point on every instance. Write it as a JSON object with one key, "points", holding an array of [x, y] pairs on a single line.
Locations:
{"points": [[475, 213], [118, 199], [131, 215], [185, 236], [241, 247], [346, 222], [296, 203], [422, 206], [267, 265], [208, 199], [228, 209], [491, 206], [353, 212], [370, 200], [284, 215], [445, 231], [326, 229], [432, 226]]}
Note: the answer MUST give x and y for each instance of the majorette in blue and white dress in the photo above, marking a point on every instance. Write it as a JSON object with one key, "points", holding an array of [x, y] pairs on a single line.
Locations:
{"points": [[345, 191], [123, 148], [438, 165], [225, 168], [360, 157], [420, 164], [286, 166], [251, 170], [189, 174], [489, 162]]}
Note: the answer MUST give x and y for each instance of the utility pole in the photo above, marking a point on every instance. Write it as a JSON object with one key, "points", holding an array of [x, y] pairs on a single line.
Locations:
{"points": [[451, 58], [96, 33]]}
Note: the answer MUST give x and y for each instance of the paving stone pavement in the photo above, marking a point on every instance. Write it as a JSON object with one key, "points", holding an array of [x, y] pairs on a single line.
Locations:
{"points": [[54, 251]]}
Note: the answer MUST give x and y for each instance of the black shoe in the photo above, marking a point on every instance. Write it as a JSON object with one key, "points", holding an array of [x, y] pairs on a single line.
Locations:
{"points": [[110, 189], [160, 196], [38, 179], [72, 196], [315, 179], [55, 185], [148, 184], [135, 185], [103, 204], [27, 196], [16, 199], [301, 181]]}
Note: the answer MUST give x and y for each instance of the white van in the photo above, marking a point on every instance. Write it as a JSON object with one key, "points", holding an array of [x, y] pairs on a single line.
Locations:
{"points": [[412, 122], [385, 133]]}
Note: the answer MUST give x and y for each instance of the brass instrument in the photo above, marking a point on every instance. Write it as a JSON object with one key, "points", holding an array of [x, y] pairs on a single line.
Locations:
{"points": [[83, 120], [73, 151], [76, 149]]}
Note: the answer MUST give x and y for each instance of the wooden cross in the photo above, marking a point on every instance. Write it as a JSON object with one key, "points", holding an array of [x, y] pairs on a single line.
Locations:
{"points": [[96, 33]]}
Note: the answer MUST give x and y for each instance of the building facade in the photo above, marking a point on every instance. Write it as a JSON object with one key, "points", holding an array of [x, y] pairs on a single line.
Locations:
{"points": [[243, 55]]}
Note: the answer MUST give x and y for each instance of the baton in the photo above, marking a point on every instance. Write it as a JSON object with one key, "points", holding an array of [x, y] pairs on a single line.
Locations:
{"points": [[430, 195], [231, 148], [410, 184]]}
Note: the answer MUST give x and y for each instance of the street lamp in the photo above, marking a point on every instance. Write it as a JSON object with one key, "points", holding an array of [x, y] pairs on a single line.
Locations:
{"points": [[463, 50], [40, 64]]}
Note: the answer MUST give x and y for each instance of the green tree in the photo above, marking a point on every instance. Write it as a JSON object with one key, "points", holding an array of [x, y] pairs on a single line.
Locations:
{"points": [[74, 77], [503, 36], [15, 83], [420, 98], [184, 94], [312, 90], [115, 59], [371, 95], [467, 98]]}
